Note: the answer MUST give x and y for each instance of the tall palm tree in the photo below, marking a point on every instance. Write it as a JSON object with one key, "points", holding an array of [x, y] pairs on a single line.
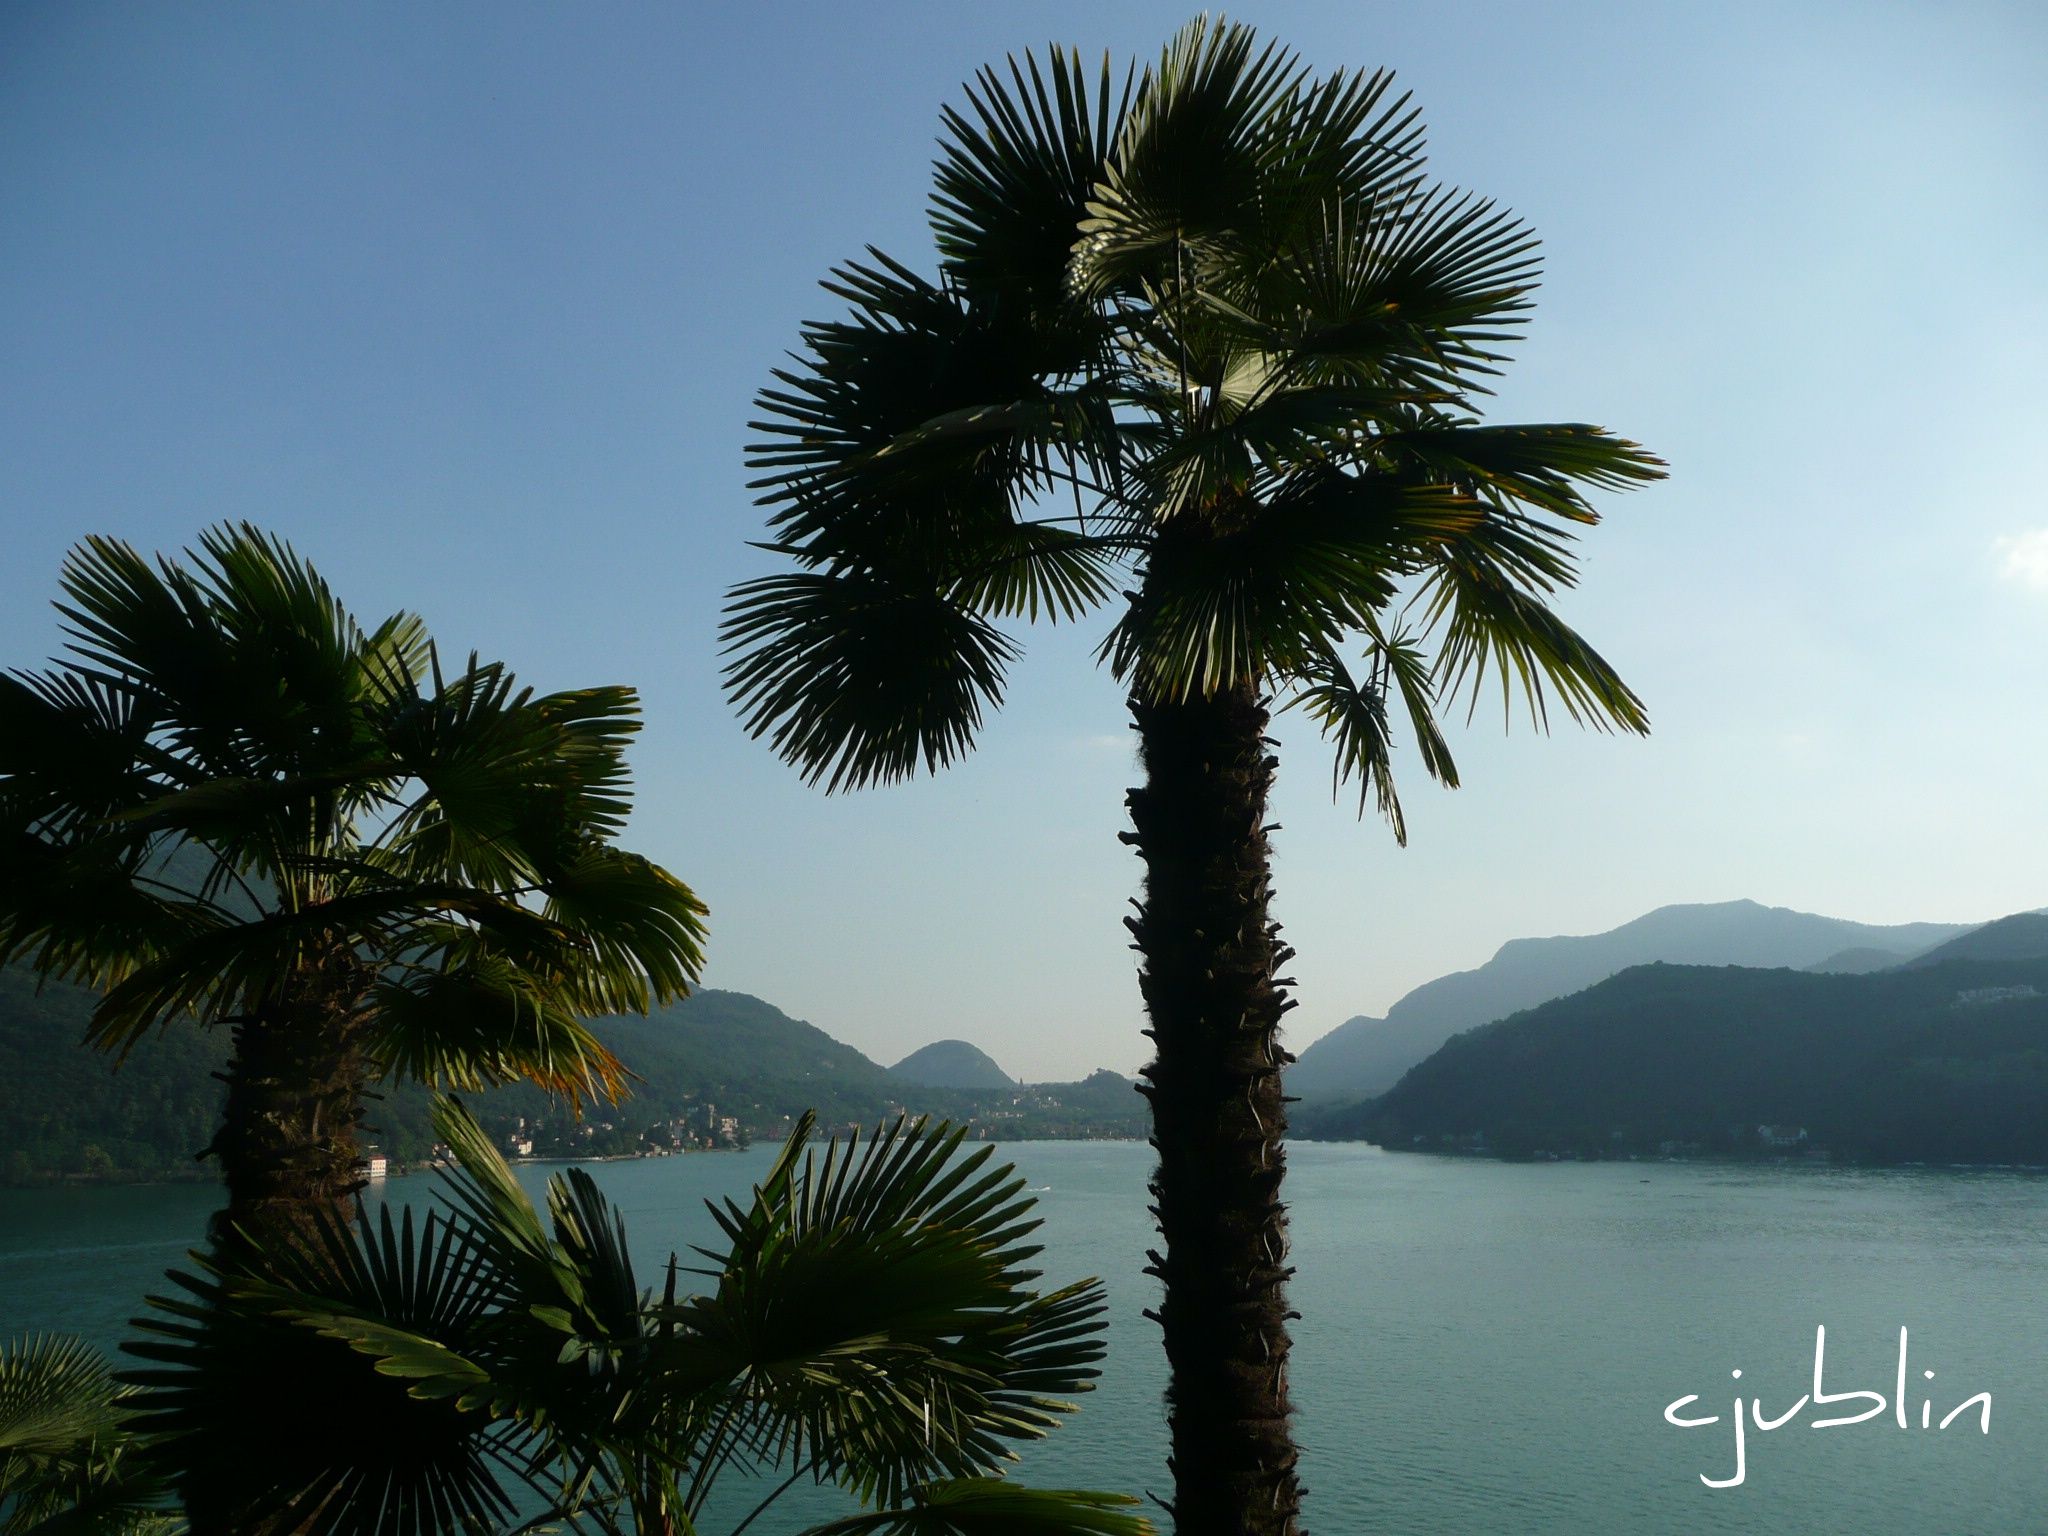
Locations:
{"points": [[232, 802], [869, 1323], [1206, 346]]}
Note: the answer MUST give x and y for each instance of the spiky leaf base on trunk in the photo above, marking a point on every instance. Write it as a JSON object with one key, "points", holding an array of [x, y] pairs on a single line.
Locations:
{"points": [[1209, 955], [287, 1142]]}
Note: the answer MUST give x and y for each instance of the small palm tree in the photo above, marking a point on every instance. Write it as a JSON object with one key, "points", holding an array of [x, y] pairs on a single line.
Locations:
{"points": [[232, 802], [1207, 347], [68, 1458], [869, 1323]]}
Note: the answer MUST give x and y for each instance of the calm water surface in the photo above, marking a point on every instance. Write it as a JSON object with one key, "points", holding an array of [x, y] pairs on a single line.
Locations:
{"points": [[1484, 1347]]}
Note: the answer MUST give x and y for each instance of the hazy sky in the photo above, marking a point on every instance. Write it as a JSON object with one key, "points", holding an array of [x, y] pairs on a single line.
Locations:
{"points": [[470, 302]]}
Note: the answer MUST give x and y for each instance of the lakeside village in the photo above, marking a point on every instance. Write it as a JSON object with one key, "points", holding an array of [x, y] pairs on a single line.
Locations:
{"points": [[703, 1129], [1027, 1113], [563, 1138]]}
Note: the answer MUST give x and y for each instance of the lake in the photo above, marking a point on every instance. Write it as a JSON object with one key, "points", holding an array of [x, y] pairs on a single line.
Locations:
{"points": [[1483, 1347]]}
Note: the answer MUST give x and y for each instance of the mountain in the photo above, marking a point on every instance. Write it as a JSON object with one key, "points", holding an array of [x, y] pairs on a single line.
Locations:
{"points": [[1854, 962], [2023, 936], [1939, 1063], [1366, 1056], [952, 1064], [66, 1111]]}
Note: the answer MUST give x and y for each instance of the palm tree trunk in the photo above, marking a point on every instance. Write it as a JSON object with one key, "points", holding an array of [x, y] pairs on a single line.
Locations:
{"points": [[1209, 955], [287, 1140]]}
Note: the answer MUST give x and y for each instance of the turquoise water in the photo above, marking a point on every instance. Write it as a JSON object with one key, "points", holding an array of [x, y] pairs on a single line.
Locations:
{"points": [[1484, 1347]]}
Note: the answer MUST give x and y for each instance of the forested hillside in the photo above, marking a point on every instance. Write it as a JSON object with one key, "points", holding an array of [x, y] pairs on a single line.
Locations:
{"points": [[1944, 1063], [1367, 1055], [70, 1112]]}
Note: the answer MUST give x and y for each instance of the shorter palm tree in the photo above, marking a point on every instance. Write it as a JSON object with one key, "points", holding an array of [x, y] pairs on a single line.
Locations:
{"points": [[869, 1323], [67, 1457], [232, 802]]}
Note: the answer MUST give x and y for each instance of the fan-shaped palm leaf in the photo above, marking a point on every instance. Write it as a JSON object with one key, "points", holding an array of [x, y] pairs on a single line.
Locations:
{"points": [[875, 1301], [1188, 163], [1492, 619], [1016, 170], [861, 678], [66, 1462], [343, 1326]]}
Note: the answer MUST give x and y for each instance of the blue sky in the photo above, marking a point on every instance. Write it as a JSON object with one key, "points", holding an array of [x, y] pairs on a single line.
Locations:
{"points": [[470, 302]]}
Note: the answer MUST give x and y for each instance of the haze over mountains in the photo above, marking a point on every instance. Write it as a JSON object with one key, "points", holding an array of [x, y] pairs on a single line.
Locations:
{"points": [[1367, 1056]]}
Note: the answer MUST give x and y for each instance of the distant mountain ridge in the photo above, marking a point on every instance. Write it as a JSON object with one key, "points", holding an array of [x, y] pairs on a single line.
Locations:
{"points": [[1366, 1056], [1855, 962], [2023, 936], [1922, 1063]]}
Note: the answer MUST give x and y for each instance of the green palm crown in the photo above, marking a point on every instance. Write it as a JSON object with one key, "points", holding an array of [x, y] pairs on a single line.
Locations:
{"points": [[230, 798], [1207, 339]]}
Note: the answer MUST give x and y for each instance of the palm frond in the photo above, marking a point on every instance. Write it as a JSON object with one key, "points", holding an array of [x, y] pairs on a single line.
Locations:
{"points": [[152, 630], [226, 969], [56, 1398], [1189, 161], [244, 648], [66, 1462], [1535, 466], [1345, 140], [1024, 568], [1400, 660], [88, 912], [873, 1322], [1353, 719], [642, 929], [1251, 431], [505, 779], [857, 679], [353, 1328], [486, 1024], [1016, 169], [498, 1218], [75, 751], [876, 1303], [921, 404], [1490, 619]]}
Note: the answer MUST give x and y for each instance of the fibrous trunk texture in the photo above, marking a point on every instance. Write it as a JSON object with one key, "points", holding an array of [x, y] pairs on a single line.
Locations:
{"points": [[1209, 954], [287, 1141]]}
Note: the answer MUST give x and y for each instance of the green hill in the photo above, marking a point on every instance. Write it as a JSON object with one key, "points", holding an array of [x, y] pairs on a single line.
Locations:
{"points": [[1856, 961], [1367, 1055], [1941, 1063], [2023, 936], [951, 1064], [66, 1110]]}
